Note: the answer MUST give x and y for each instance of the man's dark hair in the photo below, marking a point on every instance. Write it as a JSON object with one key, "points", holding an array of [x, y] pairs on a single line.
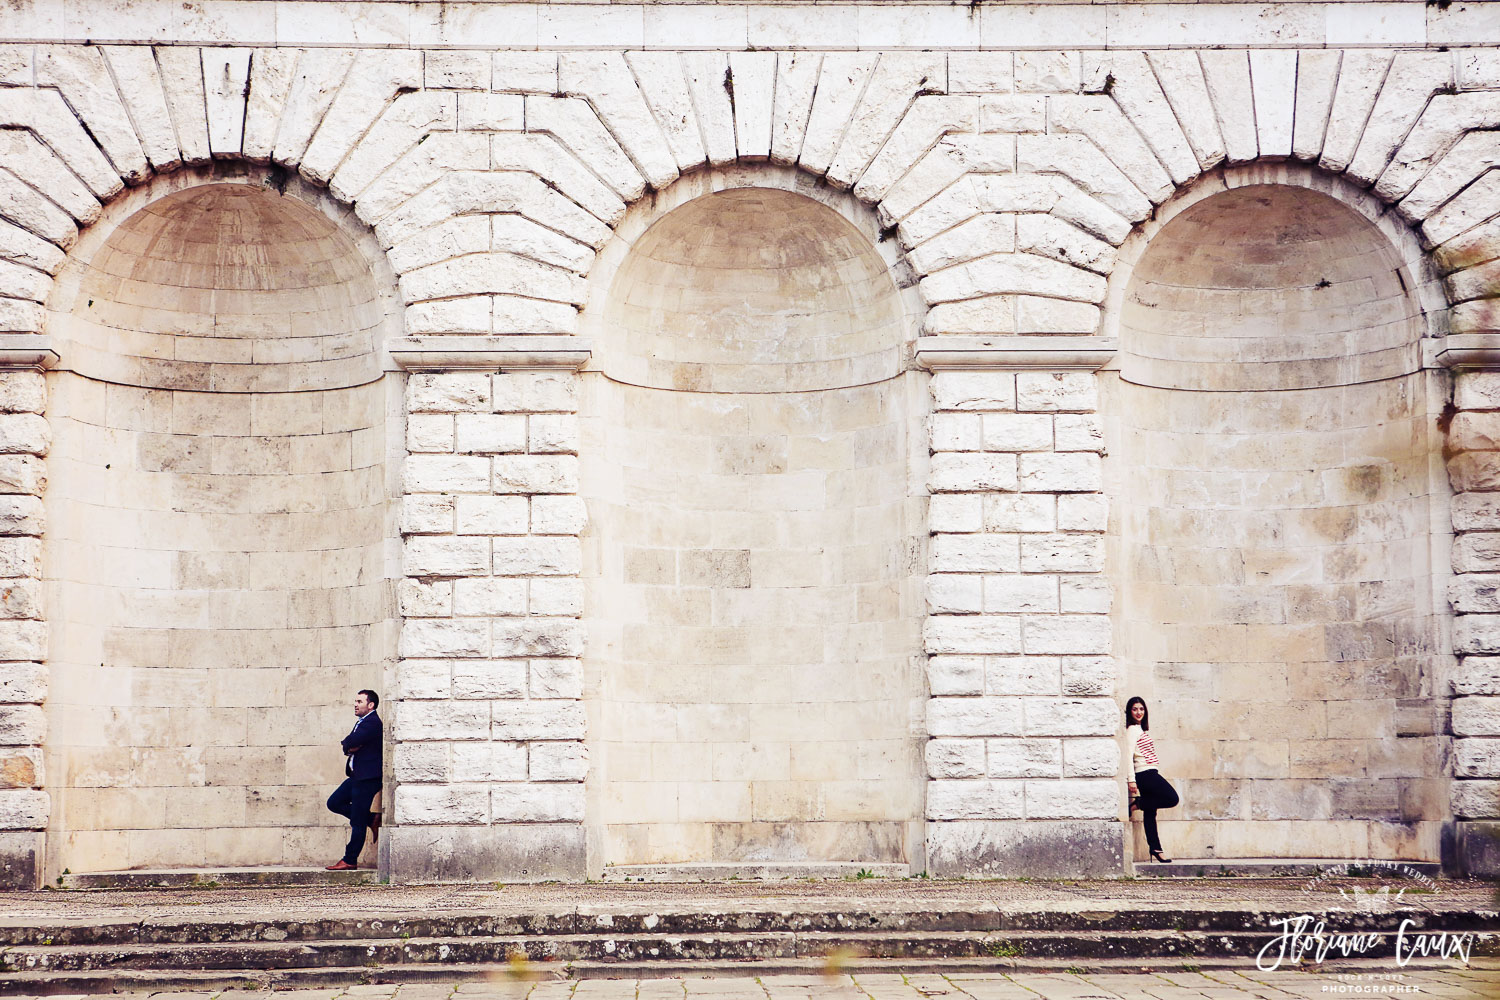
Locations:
{"points": [[374, 698]]}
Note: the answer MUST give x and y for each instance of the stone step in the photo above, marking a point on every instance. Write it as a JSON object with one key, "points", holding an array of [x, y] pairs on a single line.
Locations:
{"points": [[1283, 868], [268, 876], [711, 918], [1157, 945], [99, 982], [753, 872]]}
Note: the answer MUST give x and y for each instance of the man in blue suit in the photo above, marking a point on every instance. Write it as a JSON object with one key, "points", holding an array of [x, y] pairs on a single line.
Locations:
{"points": [[362, 748]]}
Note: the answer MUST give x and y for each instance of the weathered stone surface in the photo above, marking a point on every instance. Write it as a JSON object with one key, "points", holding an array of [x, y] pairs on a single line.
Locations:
{"points": [[521, 852], [1030, 848]]}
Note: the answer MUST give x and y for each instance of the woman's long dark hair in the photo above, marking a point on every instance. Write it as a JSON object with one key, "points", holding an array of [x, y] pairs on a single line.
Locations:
{"points": [[1145, 713]]}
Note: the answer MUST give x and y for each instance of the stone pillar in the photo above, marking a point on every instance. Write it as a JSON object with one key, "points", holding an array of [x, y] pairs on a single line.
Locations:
{"points": [[1024, 754], [24, 439], [1473, 451], [488, 754]]}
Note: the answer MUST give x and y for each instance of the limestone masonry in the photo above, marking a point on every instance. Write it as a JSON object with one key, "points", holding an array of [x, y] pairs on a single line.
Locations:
{"points": [[744, 434]]}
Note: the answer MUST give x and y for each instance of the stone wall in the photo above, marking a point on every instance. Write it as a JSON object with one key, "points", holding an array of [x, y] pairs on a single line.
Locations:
{"points": [[490, 152]]}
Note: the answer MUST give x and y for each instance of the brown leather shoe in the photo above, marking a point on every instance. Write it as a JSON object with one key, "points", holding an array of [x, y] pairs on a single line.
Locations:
{"points": [[340, 866]]}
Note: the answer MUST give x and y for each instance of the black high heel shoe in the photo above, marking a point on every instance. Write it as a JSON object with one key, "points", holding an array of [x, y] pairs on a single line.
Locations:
{"points": [[1157, 857]]}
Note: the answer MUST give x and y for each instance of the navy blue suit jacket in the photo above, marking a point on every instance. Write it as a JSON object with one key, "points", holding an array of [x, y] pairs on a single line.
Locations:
{"points": [[364, 744]]}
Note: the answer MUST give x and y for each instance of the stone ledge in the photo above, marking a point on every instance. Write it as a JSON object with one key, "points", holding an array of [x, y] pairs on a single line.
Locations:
{"points": [[1002, 353], [27, 350], [1463, 352], [502, 353], [1073, 848]]}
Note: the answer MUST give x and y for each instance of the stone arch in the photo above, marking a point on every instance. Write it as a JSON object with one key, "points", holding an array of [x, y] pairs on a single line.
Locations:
{"points": [[754, 552], [220, 531], [1276, 543]]}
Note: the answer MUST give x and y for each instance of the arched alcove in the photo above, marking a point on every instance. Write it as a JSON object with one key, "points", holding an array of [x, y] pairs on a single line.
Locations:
{"points": [[1273, 454], [754, 555], [215, 555]]}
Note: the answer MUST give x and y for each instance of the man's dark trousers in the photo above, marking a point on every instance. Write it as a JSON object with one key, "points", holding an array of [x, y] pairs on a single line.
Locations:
{"points": [[352, 799]]}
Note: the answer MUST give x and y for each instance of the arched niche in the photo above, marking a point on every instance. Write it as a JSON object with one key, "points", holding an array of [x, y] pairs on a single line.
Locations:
{"points": [[753, 464], [218, 522], [1276, 479]]}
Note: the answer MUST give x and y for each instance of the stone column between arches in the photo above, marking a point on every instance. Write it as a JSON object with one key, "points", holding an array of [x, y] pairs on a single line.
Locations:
{"points": [[488, 754], [1023, 756]]}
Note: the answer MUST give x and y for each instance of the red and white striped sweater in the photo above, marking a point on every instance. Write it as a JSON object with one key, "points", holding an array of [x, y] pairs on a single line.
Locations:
{"points": [[1142, 749]]}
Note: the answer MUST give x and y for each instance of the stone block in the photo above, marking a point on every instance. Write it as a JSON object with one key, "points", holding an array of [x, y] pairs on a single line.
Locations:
{"points": [[538, 720], [974, 717], [558, 515], [1021, 758], [955, 432], [536, 474], [1084, 595], [446, 474], [1014, 675], [446, 555], [538, 803], [417, 599], [1004, 512], [1072, 798], [536, 392], [1476, 758], [1082, 512], [1475, 592], [20, 557], [435, 637], [953, 390], [954, 594], [1011, 593], [1476, 551], [974, 799], [1476, 799], [961, 472], [972, 634], [1083, 676], [1478, 471], [497, 761], [1017, 432], [552, 433], [957, 675], [1026, 848], [1051, 634], [558, 555], [435, 805], [489, 679], [511, 853], [1477, 634], [421, 762], [443, 720], [459, 392], [557, 596], [1056, 392], [492, 596], [1091, 758], [489, 433], [1476, 716], [23, 640], [558, 761], [556, 678], [974, 554], [21, 515], [419, 679], [22, 767], [21, 860], [950, 758], [1070, 717], [23, 809], [21, 683], [544, 637], [491, 515], [23, 392], [1476, 512], [23, 474], [1062, 553], [429, 432], [955, 512], [1061, 473], [1477, 675], [427, 515]]}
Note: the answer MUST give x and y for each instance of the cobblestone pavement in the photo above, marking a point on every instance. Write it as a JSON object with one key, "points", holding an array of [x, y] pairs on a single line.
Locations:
{"points": [[1451, 984]]}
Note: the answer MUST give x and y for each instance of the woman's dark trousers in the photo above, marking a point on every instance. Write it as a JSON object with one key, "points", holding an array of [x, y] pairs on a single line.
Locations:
{"points": [[1154, 793]]}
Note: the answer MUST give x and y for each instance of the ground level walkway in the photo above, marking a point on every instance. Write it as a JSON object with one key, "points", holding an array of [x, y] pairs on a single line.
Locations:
{"points": [[1454, 984]]}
